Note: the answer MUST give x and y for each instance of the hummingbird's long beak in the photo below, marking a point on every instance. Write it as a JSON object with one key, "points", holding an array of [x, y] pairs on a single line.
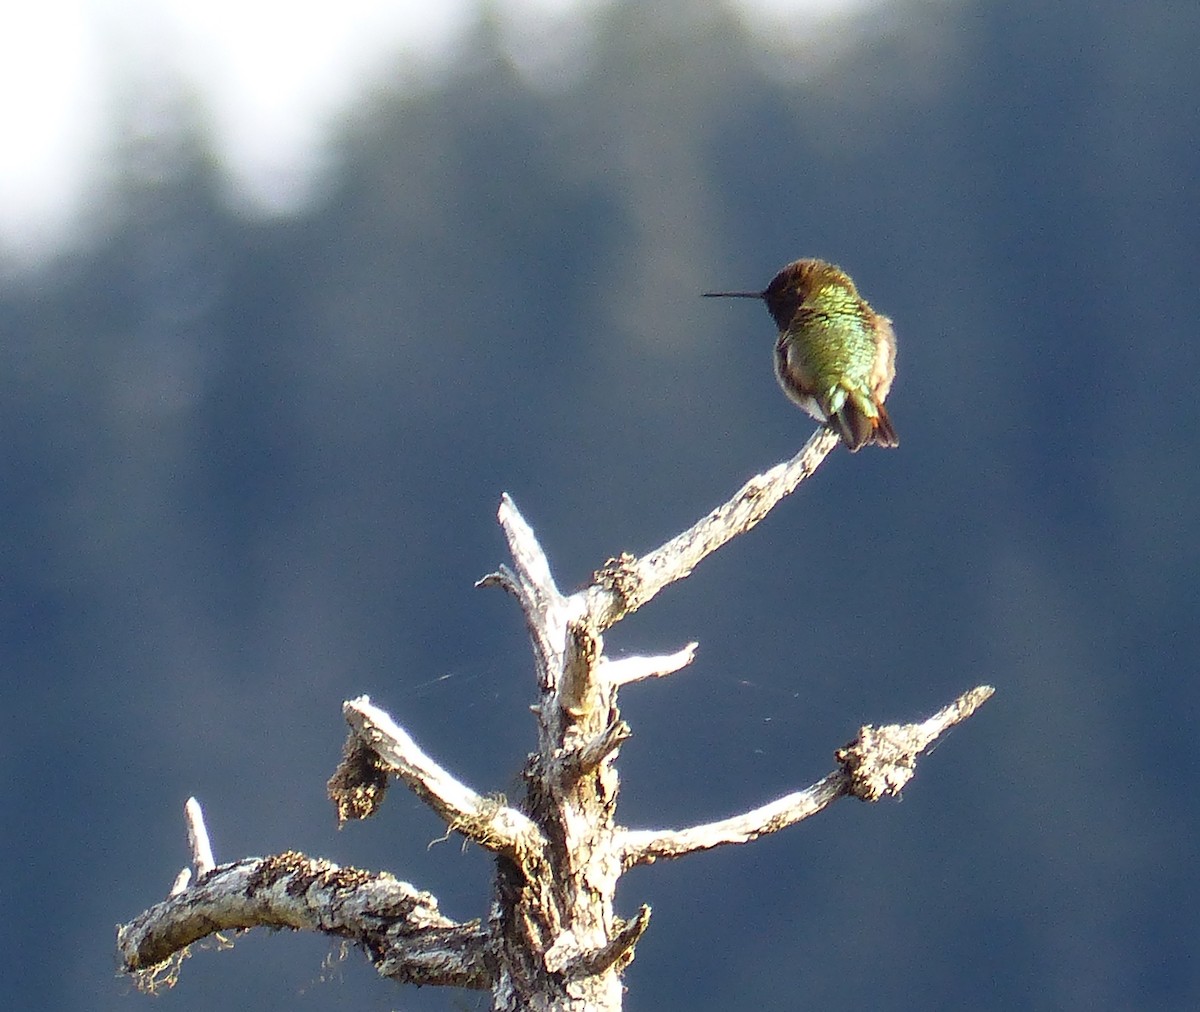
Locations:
{"points": [[734, 295]]}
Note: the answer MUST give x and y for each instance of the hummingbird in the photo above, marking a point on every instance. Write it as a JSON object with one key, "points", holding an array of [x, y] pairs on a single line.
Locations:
{"points": [[835, 356]]}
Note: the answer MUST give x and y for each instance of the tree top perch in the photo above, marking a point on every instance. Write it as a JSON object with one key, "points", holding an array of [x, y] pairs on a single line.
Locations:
{"points": [[551, 939]]}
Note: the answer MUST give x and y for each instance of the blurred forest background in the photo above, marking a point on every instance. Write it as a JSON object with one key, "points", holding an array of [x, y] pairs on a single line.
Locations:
{"points": [[251, 463]]}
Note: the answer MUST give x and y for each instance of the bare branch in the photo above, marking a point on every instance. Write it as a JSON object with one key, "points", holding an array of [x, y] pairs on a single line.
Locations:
{"points": [[634, 669], [881, 761], [202, 855], [645, 846], [546, 610], [503, 578], [619, 952], [568, 958], [484, 820], [602, 745], [399, 926], [528, 557], [625, 584]]}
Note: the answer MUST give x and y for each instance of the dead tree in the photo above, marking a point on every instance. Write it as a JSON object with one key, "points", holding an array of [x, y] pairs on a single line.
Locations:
{"points": [[551, 940]]}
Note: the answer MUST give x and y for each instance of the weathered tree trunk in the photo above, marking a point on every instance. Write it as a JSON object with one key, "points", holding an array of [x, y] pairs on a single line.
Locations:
{"points": [[552, 940]]}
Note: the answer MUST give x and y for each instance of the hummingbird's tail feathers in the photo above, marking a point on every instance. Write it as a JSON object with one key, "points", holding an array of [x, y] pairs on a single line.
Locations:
{"points": [[885, 435], [839, 421], [859, 429]]}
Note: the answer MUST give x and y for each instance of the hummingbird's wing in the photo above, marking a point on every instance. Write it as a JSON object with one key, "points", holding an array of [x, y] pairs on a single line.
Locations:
{"points": [[884, 369], [862, 419]]}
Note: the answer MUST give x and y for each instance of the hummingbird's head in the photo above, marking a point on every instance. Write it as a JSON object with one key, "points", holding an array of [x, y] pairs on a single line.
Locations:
{"points": [[792, 287], [797, 283]]}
